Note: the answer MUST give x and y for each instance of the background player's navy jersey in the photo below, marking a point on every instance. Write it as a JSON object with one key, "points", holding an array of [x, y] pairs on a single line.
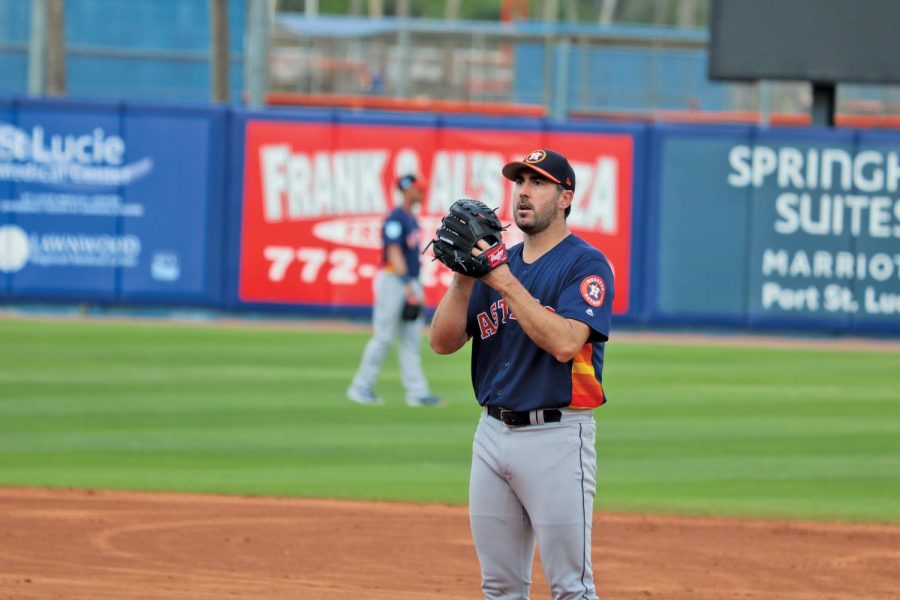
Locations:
{"points": [[401, 228], [575, 280]]}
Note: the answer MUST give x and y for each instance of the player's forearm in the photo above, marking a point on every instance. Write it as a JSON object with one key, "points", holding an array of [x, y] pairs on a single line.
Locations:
{"points": [[448, 327], [554, 334], [395, 260]]}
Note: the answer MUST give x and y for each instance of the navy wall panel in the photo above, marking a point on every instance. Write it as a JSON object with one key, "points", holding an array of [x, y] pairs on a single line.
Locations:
{"points": [[775, 228], [877, 250], [62, 201], [787, 207], [13, 243], [178, 203], [697, 231], [116, 202]]}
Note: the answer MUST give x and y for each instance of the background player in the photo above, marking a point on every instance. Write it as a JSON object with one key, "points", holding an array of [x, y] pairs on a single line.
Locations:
{"points": [[538, 325], [395, 285]]}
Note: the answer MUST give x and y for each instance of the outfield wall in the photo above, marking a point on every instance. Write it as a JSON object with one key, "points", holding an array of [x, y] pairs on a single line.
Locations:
{"points": [[111, 203], [774, 228], [277, 210]]}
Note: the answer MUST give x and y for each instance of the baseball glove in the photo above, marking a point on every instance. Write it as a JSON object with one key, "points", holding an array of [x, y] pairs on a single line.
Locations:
{"points": [[468, 222], [411, 310]]}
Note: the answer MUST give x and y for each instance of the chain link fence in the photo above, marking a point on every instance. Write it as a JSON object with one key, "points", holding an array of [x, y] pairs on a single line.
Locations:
{"points": [[571, 69], [160, 50]]}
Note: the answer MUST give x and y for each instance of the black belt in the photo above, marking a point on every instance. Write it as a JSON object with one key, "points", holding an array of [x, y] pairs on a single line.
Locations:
{"points": [[513, 418]]}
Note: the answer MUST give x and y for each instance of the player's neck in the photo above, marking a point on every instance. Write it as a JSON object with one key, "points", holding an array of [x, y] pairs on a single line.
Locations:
{"points": [[538, 244]]}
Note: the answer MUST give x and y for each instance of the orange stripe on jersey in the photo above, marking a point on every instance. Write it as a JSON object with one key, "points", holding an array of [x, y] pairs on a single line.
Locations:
{"points": [[586, 390]]}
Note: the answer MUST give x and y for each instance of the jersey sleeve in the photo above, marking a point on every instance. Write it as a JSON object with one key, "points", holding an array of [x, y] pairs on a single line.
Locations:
{"points": [[392, 232], [587, 296]]}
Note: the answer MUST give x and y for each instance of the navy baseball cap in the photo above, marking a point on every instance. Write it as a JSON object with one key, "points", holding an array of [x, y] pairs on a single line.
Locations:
{"points": [[552, 165], [407, 181]]}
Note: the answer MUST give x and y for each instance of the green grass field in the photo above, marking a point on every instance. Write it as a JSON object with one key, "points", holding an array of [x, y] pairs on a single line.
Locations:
{"points": [[689, 429]]}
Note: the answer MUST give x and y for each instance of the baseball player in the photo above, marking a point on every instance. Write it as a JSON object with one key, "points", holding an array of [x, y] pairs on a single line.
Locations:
{"points": [[398, 301], [538, 317]]}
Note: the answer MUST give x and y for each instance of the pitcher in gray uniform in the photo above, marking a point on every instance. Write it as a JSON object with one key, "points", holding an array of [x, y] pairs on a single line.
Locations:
{"points": [[395, 285], [538, 324]]}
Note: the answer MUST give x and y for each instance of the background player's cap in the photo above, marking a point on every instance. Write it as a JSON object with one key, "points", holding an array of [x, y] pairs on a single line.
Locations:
{"points": [[411, 180], [552, 165]]}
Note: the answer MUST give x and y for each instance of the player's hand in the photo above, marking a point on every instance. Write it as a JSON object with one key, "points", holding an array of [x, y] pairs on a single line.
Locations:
{"points": [[498, 274]]}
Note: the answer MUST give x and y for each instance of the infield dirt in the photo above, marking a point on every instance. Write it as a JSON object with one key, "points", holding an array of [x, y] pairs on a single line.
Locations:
{"points": [[76, 544]]}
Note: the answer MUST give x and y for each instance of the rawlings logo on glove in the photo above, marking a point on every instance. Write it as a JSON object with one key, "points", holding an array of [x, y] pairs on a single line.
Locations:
{"points": [[467, 223]]}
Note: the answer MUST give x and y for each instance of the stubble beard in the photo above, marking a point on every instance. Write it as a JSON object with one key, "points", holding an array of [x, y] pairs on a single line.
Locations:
{"points": [[539, 220]]}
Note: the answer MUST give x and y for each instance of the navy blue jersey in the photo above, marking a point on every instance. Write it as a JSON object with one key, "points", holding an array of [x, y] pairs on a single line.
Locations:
{"points": [[574, 280], [401, 228]]}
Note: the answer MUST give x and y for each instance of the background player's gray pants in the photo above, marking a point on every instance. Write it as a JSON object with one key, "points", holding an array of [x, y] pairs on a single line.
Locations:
{"points": [[534, 484], [387, 325]]}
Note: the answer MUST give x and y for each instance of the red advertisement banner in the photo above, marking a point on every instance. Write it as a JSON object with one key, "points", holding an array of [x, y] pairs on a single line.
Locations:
{"points": [[315, 196]]}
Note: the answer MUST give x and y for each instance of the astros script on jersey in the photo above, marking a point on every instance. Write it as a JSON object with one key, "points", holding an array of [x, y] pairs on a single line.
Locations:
{"points": [[575, 280]]}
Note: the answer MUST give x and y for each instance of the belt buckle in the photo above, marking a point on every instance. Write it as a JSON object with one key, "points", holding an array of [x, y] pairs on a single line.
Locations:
{"points": [[505, 416]]}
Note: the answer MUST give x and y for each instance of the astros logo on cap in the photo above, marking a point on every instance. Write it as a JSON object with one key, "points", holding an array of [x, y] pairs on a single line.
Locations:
{"points": [[536, 156]]}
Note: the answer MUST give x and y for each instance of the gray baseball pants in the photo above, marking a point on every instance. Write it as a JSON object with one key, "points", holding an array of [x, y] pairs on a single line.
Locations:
{"points": [[387, 325], [534, 484]]}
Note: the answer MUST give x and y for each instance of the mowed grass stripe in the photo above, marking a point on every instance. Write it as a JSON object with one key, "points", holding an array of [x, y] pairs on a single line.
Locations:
{"points": [[688, 429]]}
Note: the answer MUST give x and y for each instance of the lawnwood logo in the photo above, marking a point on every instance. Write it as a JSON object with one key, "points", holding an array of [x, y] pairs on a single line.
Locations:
{"points": [[95, 158], [19, 248]]}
